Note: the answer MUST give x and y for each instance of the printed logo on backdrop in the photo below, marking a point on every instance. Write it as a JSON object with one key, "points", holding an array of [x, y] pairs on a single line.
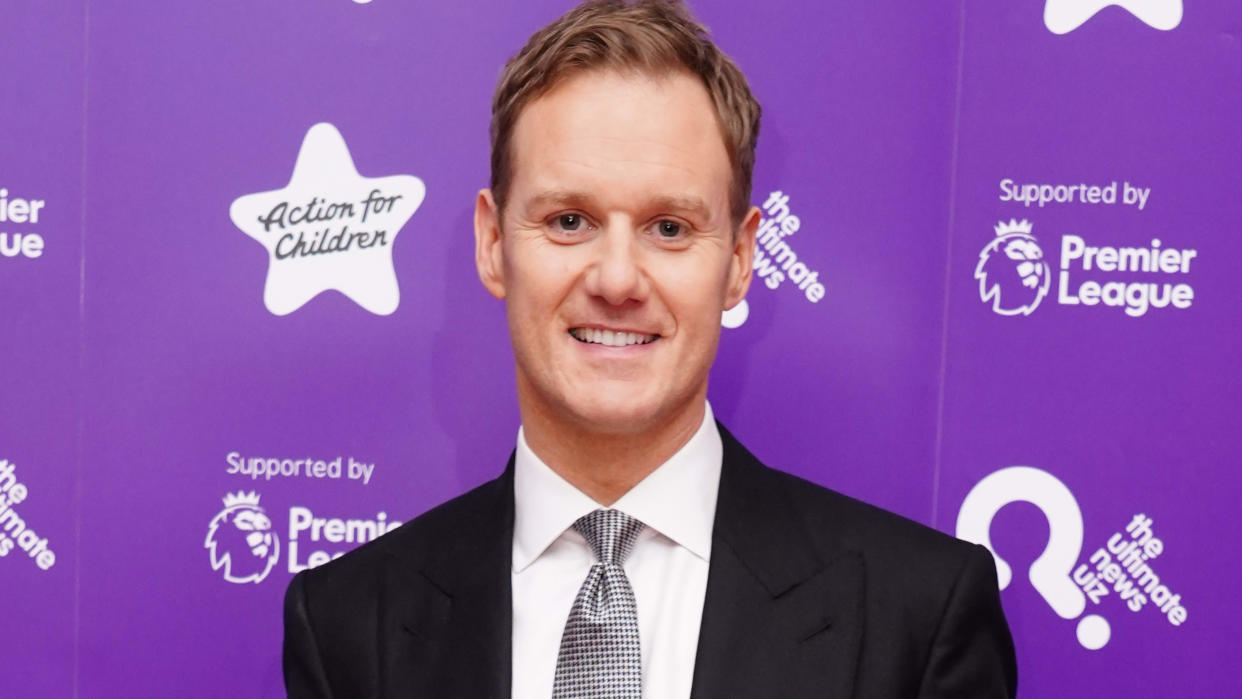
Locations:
{"points": [[1119, 576], [243, 545], [1014, 276], [1012, 272], [17, 536], [777, 263], [19, 220], [1061, 16], [329, 228]]}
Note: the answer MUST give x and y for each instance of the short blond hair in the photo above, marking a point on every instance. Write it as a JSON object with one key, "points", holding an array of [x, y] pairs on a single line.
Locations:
{"points": [[653, 37]]}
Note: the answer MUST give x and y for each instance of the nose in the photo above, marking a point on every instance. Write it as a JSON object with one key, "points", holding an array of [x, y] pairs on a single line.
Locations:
{"points": [[616, 274]]}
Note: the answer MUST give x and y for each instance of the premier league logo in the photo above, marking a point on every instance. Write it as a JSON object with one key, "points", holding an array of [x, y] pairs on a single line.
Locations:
{"points": [[241, 540], [1012, 272]]}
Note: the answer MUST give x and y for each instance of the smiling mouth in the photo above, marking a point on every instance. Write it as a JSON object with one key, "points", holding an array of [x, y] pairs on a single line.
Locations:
{"points": [[610, 338]]}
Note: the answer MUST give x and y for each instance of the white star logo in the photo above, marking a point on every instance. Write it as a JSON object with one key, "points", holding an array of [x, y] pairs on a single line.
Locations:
{"points": [[1061, 16], [329, 228]]}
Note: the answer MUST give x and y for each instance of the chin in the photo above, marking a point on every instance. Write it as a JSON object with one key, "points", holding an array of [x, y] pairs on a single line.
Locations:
{"points": [[614, 416]]}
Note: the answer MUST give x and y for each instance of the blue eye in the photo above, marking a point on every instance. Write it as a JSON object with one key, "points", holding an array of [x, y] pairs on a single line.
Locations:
{"points": [[669, 229], [569, 222]]}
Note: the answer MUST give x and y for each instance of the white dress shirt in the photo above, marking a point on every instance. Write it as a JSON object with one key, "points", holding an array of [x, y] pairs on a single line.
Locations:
{"points": [[667, 568]]}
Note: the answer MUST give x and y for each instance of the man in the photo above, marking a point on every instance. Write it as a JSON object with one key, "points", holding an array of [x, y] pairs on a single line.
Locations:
{"points": [[632, 547]]}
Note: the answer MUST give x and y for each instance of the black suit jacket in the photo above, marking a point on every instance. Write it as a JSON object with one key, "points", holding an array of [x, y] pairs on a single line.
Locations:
{"points": [[809, 594]]}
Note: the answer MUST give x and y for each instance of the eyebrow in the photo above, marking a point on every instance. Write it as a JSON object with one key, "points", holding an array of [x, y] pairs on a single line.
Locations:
{"points": [[690, 205], [559, 197]]}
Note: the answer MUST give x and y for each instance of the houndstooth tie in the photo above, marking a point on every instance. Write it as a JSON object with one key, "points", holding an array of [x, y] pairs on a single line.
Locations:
{"points": [[599, 656]]}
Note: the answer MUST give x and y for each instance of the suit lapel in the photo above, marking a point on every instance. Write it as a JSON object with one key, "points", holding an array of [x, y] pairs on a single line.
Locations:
{"points": [[446, 609], [780, 618]]}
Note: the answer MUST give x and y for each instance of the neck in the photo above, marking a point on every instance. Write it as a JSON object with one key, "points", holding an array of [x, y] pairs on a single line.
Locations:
{"points": [[606, 465]]}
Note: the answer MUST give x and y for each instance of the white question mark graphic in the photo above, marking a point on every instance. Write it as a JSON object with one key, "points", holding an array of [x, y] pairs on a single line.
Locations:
{"points": [[734, 317], [1050, 573]]}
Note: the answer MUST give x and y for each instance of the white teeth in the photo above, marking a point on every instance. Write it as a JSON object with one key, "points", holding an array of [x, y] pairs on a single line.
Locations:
{"points": [[610, 338]]}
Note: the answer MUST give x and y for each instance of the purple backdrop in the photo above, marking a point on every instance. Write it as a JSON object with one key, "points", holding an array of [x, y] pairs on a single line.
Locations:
{"points": [[977, 187]]}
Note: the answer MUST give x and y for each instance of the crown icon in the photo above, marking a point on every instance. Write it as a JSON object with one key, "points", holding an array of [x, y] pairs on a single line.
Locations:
{"points": [[241, 498], [1024, 226]]}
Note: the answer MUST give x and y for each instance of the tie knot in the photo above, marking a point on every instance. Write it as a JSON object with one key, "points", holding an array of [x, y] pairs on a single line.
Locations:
{"points": [[610, 533]]}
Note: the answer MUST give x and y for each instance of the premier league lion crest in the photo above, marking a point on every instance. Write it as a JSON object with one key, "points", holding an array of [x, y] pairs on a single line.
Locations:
{"points": [[241, 540], [1012, 272]]}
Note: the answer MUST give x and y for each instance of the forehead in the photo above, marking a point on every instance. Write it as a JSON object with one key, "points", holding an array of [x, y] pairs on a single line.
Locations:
{"points": [[622, 134]]}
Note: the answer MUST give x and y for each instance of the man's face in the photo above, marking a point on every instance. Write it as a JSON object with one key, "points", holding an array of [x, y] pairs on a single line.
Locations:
{"points": [[615, 252]]}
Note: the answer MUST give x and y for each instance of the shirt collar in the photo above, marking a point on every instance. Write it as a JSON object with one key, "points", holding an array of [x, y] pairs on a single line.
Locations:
{"points": [[678, 499]]}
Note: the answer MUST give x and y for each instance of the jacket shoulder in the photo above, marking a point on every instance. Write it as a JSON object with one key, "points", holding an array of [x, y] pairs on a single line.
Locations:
{"points": [[895, 548], [868, 528], [931, 595], [434, 536], [933, 617]]}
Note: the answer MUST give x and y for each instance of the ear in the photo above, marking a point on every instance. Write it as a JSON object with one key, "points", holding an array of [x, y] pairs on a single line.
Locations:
{"points": [[741, 265], [488, 251]]}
